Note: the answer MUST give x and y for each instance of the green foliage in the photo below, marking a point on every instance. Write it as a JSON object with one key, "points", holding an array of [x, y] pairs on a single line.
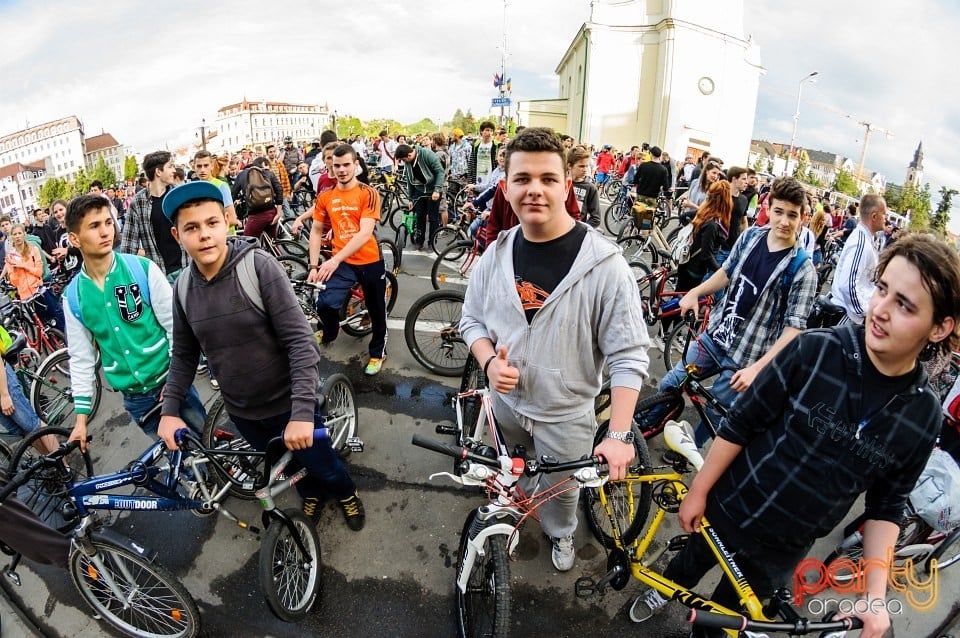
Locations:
{"points": [[53, 189], [103, 173], [916, 203], [373, 127], [845, 183], [425, 125], [348, 125], [812, 179], [130, 168], [81, 183], [802, 166], [941, 217], [465, 122], [759, 164]]}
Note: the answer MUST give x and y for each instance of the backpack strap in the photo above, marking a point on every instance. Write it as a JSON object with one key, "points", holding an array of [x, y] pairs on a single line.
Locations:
{"points": [[182, 285], [786, 280], [71, 292], [250, 281], [138, 268]]}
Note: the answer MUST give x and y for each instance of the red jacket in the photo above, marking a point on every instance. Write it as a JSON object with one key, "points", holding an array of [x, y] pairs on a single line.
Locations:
{"points": [[604, 162], [502, 216]]}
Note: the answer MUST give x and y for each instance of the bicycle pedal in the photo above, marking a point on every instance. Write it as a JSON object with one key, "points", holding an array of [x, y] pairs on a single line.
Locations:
{"points": [[585, 587], [12, 576], [355, 444], [446, 429], [677, 543]]}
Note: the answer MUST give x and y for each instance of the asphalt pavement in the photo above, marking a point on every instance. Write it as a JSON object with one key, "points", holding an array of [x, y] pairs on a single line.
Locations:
{"points": [[396, 576]]}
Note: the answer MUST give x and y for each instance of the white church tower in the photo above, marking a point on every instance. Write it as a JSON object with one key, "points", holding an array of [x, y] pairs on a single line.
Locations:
{"points": [[680, 74], [915, 169]]}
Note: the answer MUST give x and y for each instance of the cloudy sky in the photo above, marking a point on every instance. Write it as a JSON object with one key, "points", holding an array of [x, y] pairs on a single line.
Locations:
{"points": [[148, 72]]}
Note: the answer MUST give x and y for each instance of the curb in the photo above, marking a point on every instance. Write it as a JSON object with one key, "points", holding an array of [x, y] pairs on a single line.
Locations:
{"points": [[16, 621]]}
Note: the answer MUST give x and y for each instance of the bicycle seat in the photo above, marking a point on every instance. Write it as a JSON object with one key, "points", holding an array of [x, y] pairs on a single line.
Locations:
{"points": [[12, 355]]}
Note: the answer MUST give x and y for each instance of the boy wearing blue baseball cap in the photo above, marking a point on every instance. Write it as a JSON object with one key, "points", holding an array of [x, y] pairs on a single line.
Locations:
{"points": [[119, 306], [268, 380]]}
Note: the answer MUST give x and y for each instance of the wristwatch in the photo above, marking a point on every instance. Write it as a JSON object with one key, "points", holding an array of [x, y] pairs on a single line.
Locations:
{"points": [[623, 437]]}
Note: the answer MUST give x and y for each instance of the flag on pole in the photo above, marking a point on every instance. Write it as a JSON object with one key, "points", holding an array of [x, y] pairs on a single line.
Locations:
{"points": [[497, 80], [508, 83]]}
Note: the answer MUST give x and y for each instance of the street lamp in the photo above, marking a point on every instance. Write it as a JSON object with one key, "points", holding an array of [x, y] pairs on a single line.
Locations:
{"points": [[796, 114], [203, 133]]}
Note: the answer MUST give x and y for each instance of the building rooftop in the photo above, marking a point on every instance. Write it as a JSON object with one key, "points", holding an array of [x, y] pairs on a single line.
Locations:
{"points": [[100, 142], [70, 121], [12, 170], [264, 106]]}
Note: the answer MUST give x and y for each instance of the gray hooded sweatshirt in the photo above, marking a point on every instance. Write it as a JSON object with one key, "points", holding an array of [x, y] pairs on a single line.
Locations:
{"points": [[592, 316]]}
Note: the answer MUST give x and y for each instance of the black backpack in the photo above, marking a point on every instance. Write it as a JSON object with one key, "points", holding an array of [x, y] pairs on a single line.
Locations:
{"points": [[258, 194]]}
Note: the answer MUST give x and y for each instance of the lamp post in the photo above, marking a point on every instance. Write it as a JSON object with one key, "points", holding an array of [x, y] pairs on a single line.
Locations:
{"points": [[796, 114], [203, 133]]}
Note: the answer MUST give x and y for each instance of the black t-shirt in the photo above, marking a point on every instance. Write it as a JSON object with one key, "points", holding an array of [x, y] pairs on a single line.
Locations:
{"points": [[879, 388], [739, 211], [739, 302], [167, 246], [539, 267], [848, 225]]}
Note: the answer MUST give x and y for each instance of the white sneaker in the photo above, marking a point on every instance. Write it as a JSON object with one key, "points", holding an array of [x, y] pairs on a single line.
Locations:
{"points": [[656, 343], [563, 554], [646, 604]]}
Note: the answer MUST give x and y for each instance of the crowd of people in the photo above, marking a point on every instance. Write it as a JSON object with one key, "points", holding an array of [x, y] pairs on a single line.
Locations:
{"points": [[150, 302]]}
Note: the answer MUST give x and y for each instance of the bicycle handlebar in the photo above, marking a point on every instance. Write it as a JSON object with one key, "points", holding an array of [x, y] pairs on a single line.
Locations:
{"points": [[532, 467], [24, 475], [799, 627]]}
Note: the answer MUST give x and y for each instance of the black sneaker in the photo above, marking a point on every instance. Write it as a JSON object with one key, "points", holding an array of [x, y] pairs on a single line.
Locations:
{"points": [[312, 508], [353, 512]]}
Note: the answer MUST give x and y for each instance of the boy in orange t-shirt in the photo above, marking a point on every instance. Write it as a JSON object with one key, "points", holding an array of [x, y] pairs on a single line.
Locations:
{"points": [[351, 211]]}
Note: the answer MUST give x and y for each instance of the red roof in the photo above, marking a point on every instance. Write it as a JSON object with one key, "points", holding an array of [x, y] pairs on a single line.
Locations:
{"points": [[12, 170], [100, 142]]}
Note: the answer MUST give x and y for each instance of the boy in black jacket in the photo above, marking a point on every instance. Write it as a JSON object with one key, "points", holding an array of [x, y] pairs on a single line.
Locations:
{"points": [[836, 413], [267, 361]]}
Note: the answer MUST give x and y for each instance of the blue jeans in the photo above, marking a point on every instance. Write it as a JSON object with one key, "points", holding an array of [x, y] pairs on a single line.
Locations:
{"points": [[51, 310], [373, 282], [326, 472], [139, 404], [698, 354], [23, 420]]}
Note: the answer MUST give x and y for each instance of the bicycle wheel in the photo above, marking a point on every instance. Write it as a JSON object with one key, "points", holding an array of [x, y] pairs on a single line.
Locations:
{"points": [[483, 610], [628, 501], [46, 492], [390, 255], [651, 414], [340, 414], [913, 531], [290, 580], [401, 239], [357, 319], [673, 345], [5, 455], [432, 332], [219, 433], [454, 272], [292, 248], [294, 266], [635, 248], [396, 217], [130, 593], [446, 237], [51, 391], [616, 215], [947, 552]]}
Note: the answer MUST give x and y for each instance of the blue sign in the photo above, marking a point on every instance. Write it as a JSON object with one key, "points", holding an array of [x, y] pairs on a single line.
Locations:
{"points": [[500, 101]]}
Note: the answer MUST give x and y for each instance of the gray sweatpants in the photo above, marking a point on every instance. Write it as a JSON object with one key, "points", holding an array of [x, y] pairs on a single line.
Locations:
{"points": [[567, 441]]}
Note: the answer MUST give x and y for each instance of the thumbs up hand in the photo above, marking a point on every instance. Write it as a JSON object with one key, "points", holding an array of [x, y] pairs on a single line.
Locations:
{"points": [[502, 376]]}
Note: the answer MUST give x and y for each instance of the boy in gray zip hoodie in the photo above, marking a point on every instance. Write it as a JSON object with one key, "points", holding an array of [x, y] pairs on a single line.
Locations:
{"points": [[548, 304]]}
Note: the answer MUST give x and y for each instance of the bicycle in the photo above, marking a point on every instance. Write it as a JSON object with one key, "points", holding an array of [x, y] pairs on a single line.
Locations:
{"points": [[453, 266], [456, 231], [40, 335], [120, 580], [625, 508], [432, 332], [404, 222], [290, 253], [354, 317]]}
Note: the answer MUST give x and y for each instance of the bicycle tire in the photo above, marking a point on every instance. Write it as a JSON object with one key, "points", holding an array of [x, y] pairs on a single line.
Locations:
{"points": [[432, 332], [400, 239], [5, 455], [630, 502], [46, 491], [483, 610], [293, 266], [445, 237], [635, 248], [947, 552], [156, 603], [396, 218], [340, 414], [673, 345], [219, 432], [912, 530], [355, 311], [54, 340], [292, 248], [449, 272], [616, 215], [51, 390], [390, 255], [281, 561]]}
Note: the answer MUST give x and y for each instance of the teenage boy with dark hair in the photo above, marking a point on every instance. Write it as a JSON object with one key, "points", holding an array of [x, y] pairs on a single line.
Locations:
{"points": [[578, 163], [269, 382], [119, 306], [147, 231], [483, 155], [770, 285], [837, 413], [553, 277], [425, 179]]}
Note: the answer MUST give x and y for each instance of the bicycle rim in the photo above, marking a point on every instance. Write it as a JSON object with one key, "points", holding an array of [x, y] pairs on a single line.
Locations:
{"points": [[290, 579], [483, 610], [148, 602], [454, 272], [219, 433], [339, 412], [432, 332]]}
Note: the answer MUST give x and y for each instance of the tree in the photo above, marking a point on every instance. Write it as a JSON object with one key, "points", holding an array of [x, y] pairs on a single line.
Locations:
{"points": [[759, 164], [812, 179], [81, 183], [940, 218], [803, 164], [53, 189], [425, 125], [844, 182], [103, 173], [130, 168], [349, 125], [916, 203], [373, 127]]}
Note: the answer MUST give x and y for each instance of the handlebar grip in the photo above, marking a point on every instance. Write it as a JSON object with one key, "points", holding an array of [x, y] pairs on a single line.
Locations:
{"points": [[320, 434], [712, 620], [589, 461], [455, 451]]}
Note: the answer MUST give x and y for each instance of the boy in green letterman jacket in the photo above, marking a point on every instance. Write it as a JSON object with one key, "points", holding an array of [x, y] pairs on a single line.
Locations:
{"points": [[120, 306]]}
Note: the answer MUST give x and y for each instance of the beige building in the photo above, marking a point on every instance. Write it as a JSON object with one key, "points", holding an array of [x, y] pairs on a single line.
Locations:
{"points": [[251, 124], [58, 144], [680, 74], [107, 147]]}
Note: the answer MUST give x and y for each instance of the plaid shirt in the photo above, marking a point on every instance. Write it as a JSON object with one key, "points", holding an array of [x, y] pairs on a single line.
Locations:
{"points": [[747, 339], [281, 174], [138, 231]]}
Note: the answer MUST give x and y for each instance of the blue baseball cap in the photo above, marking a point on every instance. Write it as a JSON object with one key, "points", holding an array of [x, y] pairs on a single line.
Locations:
{"points": [[189, 192]]}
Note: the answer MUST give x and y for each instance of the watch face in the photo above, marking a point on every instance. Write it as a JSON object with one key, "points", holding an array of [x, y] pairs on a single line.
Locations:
{"points": [[706, 85]]}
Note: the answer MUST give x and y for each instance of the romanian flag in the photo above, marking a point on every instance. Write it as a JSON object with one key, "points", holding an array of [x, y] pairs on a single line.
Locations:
{"points": [[508, 84], [497, 80]]}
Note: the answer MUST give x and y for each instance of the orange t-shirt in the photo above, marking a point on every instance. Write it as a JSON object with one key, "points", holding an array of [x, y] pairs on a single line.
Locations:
{"points": [[343, 209]]}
